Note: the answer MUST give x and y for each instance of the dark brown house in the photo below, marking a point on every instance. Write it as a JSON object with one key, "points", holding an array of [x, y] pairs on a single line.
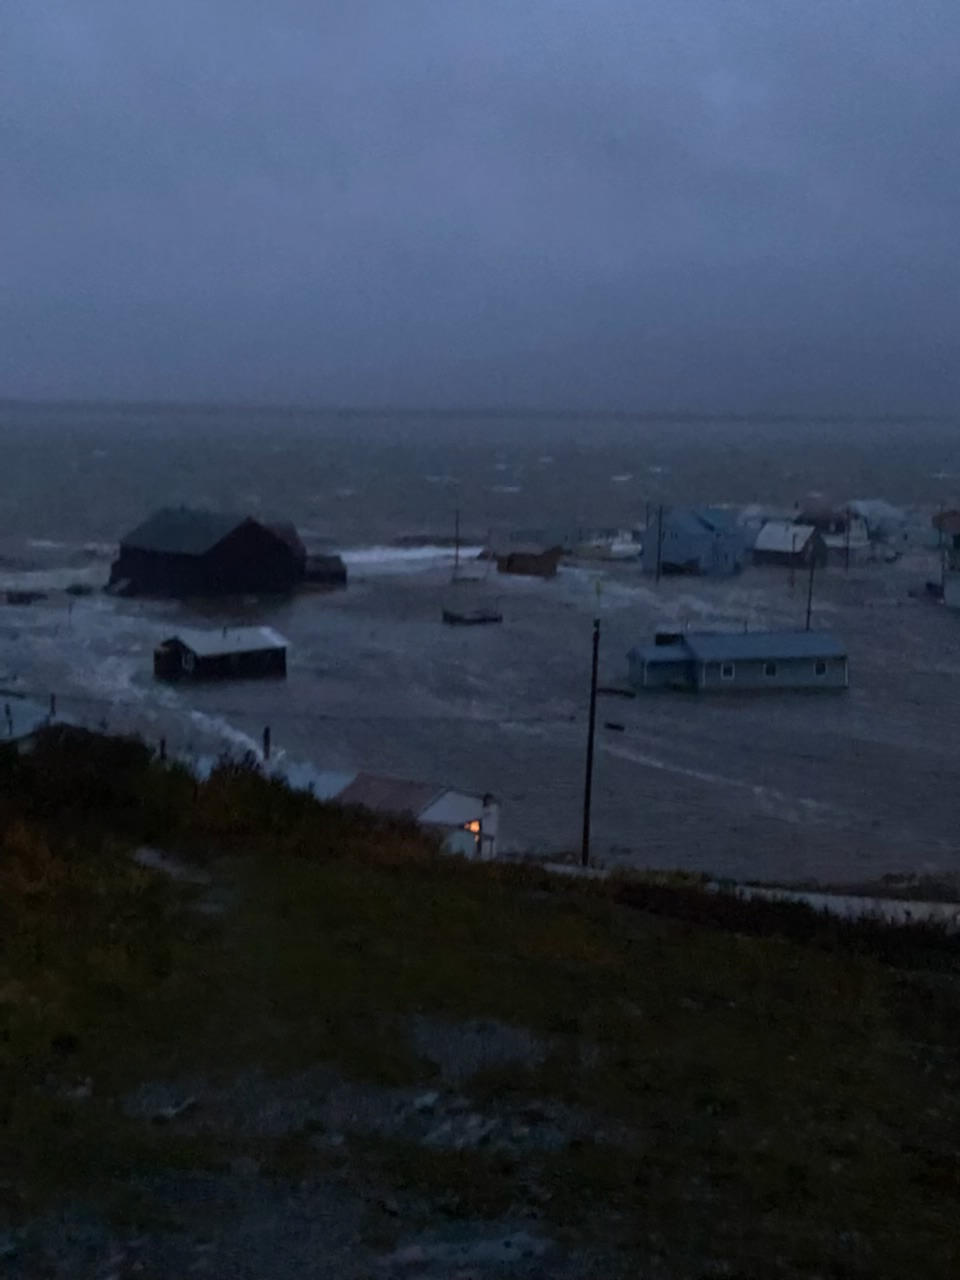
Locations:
{"points": [[183, 552]]}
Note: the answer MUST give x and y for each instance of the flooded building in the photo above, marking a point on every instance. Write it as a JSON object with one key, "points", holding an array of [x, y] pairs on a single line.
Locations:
{"points": [[783, 542], [947, 525], [230, 653], [180, 551], [695, 540], [741, 661], [531, 562]]}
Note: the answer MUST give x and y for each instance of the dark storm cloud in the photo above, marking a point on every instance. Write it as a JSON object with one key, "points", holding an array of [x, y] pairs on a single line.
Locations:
{"points": [[503, 201]]}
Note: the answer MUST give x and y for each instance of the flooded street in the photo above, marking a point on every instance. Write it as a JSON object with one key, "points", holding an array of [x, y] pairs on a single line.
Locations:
{"points": [[832, 786]]}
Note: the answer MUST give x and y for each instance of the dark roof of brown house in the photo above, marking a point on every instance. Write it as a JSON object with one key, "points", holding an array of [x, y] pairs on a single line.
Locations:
{"points": [[182, 531]]}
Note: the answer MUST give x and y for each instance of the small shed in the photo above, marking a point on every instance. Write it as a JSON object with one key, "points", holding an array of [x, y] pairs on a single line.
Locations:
{"points": [[325, 571], [783, 542], [532, 562], [232, 653], [467, 823], [742, 661]]}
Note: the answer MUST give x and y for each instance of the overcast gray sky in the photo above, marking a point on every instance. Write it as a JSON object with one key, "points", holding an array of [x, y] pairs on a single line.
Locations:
{"points": [[719, 204]]}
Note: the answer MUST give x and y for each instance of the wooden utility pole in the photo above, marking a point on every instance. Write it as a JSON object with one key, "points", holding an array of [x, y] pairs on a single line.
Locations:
{"points": [[588, 785], [846, 546], [813, 565], [659, 541]]}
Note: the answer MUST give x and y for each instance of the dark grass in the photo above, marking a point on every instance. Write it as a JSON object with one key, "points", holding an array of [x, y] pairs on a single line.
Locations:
{"points": [[769, 1087]]}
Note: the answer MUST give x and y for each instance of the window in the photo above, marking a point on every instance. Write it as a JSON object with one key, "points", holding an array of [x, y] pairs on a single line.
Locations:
{"points": [[821, 668], [770, 669], [727, 670]]}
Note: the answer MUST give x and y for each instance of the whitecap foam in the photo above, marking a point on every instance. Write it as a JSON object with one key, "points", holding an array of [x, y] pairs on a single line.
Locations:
{"points": [[404, 559], [622, 479], [506, 488]]}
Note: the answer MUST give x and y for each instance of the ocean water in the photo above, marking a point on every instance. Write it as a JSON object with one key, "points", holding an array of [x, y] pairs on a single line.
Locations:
{"points": [[84, 474], [819, 787]]}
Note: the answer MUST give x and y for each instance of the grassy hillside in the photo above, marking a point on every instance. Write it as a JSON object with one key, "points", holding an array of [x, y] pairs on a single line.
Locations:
{"points": [[641, 1077]]}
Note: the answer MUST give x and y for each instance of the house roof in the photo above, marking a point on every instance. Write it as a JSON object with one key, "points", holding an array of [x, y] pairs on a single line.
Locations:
{"points": [[182, 531], [783, 536], [390, 795], [760, 646], [660, 653], [286, 531], [227, 640]]}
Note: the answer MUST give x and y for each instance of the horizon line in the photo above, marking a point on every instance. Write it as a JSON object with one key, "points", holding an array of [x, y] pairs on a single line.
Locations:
{"points": [[477, 411]]}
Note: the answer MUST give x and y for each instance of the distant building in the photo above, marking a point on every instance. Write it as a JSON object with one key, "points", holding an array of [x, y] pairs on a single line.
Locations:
{"points": [[532, 562], [230, 653], [884, 522], [695, 540], [185, 552], [740, 661], [466, 823], [783, 542], [947, 525]]}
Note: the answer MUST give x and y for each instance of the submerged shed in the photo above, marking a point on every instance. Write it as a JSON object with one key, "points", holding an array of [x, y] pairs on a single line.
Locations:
{"points": [[231, 653], [533, 562]]}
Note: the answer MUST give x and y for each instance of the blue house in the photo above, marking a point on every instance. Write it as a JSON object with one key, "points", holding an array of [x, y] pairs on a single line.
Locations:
{"points": [[697, 540], [749, 660]]}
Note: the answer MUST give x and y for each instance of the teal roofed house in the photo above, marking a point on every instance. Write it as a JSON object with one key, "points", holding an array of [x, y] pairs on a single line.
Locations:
{"points": [[747, 661], [696, 540]]}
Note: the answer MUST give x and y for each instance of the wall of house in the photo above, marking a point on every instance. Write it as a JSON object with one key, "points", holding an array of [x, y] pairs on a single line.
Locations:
{"points": [[169, 664], [663, 675], [793, 673], [951, 589], [251, 559], [689, 550]]}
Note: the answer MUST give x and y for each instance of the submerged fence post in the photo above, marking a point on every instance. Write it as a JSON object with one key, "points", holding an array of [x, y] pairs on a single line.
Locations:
{"points": [[53, 706], [266, 743], [588, 784], [163, 748]]}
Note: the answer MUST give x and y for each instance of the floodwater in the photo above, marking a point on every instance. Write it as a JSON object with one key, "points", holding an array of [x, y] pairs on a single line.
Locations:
{"points": [[837, 787]]}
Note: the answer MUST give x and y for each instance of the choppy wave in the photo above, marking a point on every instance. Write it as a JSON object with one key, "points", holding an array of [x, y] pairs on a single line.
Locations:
{"points": [[404, 559]]}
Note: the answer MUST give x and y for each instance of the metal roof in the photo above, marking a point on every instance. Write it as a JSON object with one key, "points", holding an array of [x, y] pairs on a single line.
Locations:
{"points": [[783, 536], [660, 653], [213, 644], [182, 531], [763, 646]]}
